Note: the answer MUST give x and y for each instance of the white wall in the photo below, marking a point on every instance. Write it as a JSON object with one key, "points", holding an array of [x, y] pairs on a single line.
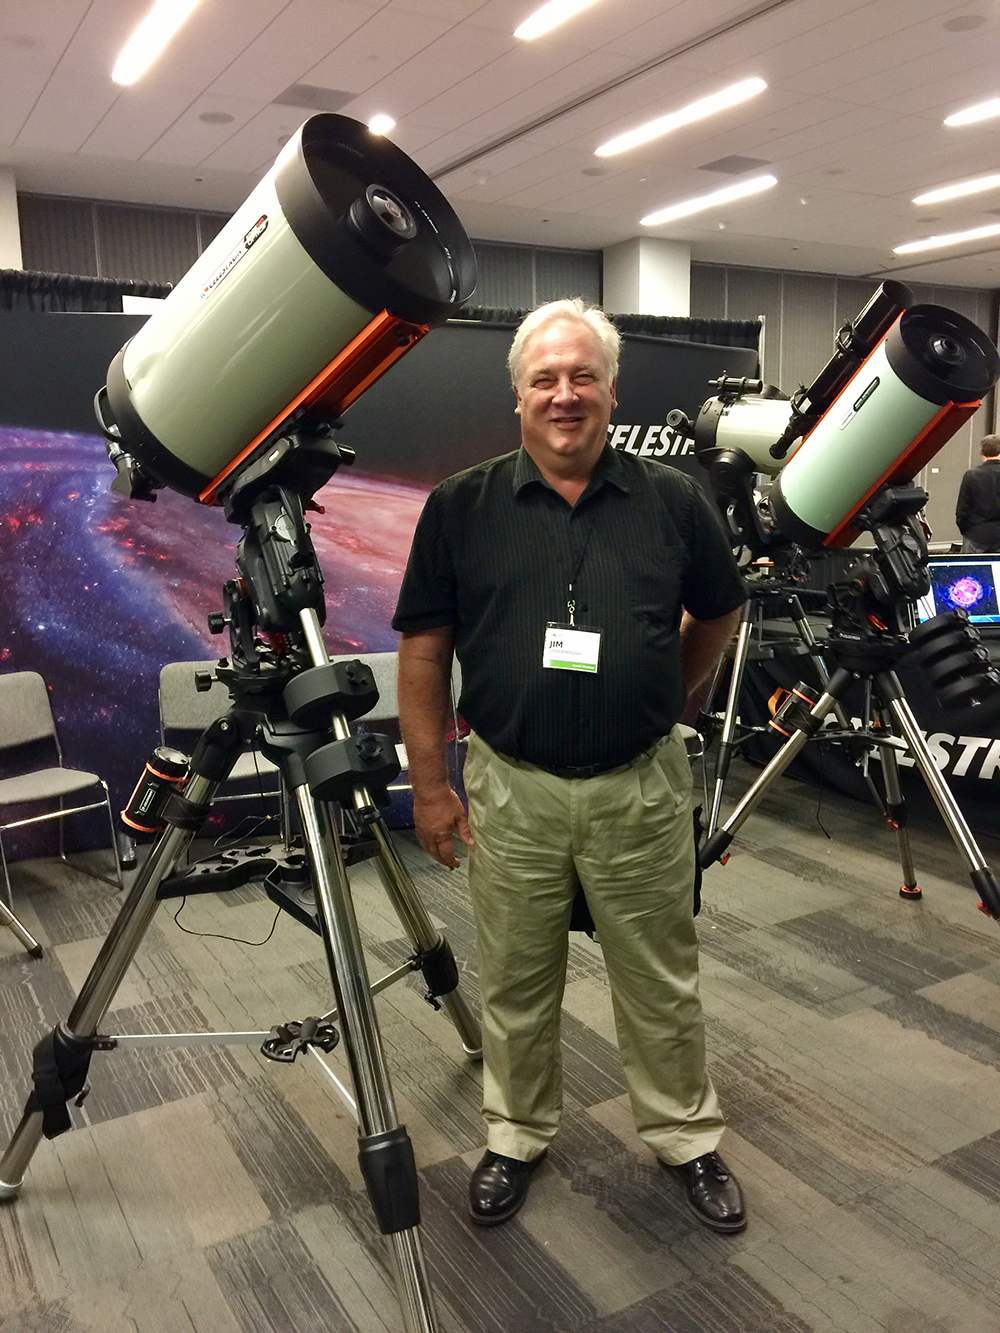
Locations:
{"points": [[647, 276], [10, 231]]}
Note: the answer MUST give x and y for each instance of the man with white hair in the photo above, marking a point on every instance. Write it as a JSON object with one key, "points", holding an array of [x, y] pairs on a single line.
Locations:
{"points": [[586, 592]]}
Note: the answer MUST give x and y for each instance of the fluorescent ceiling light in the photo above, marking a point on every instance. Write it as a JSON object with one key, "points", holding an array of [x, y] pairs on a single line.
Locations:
{"points": [[550, 16], [724, 196], [953, 238], [381, 124], [149, 39], [981, 111], [944, 192], [705, 106]]}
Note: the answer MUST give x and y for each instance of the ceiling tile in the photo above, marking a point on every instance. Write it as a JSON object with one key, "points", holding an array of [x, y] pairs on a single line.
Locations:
{"points": [[291, 46]]}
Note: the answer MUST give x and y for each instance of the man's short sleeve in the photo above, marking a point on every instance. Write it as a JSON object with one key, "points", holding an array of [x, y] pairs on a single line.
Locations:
{"points": [[712, 585], [427, 598]]}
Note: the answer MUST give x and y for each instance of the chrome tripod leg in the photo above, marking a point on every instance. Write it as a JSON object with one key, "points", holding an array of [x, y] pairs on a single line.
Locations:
{"points": [[8, 919], [385, 1155], [983, 879], [895, 813], [413, 915], [726, 747], [110, 966], [715, 848]]}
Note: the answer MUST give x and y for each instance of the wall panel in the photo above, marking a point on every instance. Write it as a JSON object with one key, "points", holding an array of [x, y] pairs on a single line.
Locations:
{"points": [[145, 242], [58, 235]]}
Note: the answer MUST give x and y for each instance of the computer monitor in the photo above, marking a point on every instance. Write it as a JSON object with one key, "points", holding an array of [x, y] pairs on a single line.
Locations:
{"points": [[964, 583]]}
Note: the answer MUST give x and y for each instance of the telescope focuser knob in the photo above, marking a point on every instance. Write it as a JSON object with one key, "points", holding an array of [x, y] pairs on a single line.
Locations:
{"points": [[217, 622]]}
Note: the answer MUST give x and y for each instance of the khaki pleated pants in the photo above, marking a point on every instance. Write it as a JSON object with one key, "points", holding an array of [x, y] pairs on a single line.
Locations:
{"points": [[626, 837]]}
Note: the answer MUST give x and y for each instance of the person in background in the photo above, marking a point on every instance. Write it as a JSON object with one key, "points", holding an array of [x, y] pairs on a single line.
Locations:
{"points": [[586, 593], [977, 512]]}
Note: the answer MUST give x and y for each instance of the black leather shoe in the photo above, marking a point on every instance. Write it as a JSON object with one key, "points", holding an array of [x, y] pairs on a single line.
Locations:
{"points": [[498, 1187], [712, 1194]]}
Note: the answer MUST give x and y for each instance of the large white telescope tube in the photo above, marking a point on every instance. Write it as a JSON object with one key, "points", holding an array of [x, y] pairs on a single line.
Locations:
{"points": [[338, 262], [921, 382]]}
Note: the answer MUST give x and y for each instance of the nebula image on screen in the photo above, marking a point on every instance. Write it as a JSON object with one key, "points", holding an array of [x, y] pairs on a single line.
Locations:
{"points": [[98, 592], [970, 589]]}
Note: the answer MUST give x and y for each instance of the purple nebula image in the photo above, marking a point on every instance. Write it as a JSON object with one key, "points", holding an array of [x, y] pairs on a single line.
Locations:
{"points": [[98, 592], [966, 592]]}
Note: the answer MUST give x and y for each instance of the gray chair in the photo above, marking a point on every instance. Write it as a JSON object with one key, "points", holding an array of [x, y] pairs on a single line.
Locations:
{"points": [[26, 721], [185, 712]]}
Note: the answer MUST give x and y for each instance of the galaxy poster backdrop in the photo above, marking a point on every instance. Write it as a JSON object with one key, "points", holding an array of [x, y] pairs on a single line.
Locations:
{"points": [[98, 592]]}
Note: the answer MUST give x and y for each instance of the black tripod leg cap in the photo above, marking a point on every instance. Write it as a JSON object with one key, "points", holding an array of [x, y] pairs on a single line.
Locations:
{"points": [[985, 884], [715, 848]]}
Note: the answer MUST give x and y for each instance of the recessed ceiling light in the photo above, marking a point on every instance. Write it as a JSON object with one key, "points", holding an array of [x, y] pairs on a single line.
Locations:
{"points": [[964, 23], [381, 124], [980, 111], [952, 238], [149, 38], [974, 186], [704, 106], [550, 16], [753, 186]]}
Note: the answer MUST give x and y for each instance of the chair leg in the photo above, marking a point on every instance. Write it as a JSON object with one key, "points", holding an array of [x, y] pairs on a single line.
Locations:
{"points": [[62, 836], [118, 880], [6, 877], [114, 836]]}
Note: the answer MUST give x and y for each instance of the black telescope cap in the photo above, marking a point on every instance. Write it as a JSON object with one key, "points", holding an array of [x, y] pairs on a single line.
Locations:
{"points": [[374, 223], [941, 355]]}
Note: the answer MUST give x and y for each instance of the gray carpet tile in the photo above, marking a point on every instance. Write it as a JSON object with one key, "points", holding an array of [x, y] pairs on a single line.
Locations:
{"points": [[854, 1040]]}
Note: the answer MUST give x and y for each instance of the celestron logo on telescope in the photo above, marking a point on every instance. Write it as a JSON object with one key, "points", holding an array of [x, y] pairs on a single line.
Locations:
{"points": [[648, 441], [235, 255], [860, 402]]}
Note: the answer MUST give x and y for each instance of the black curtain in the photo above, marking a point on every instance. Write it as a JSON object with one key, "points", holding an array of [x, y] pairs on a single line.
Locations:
{"points": [[718, 332], [22, 290]]}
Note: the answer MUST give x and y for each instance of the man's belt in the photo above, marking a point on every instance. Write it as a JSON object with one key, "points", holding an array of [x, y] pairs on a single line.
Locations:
{"points": [[582, 770], [586, 770]]}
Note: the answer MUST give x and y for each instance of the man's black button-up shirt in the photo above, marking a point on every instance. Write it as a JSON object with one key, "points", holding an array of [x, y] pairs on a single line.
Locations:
{"points": [[494, 554]]}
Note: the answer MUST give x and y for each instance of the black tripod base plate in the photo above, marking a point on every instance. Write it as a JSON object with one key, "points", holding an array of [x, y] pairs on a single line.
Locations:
{"points": [[288, 882], [228, 870]]}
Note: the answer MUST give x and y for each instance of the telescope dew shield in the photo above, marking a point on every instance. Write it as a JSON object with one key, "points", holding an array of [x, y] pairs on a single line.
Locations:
{"points": [[338, 262], [921, 382]]}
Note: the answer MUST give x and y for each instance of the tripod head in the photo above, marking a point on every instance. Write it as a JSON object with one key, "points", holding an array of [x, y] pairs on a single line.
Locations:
{"points": [[872, 610], [280, 575]]}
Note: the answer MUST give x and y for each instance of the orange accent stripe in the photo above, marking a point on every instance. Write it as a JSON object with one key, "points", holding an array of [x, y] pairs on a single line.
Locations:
{"points": [[140, 827], [919, 452], [342, 382]]}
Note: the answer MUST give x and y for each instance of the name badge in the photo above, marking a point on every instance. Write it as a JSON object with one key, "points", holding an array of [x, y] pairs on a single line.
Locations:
{"points": [[571, 648]]}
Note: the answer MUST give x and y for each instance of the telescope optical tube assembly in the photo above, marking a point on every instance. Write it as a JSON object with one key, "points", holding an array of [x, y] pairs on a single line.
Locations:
{"points": [[340, 260], [921, 382]]}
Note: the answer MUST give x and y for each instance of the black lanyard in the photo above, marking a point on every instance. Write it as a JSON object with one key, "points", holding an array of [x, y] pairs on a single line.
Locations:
{"points": [[576, 566]]}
